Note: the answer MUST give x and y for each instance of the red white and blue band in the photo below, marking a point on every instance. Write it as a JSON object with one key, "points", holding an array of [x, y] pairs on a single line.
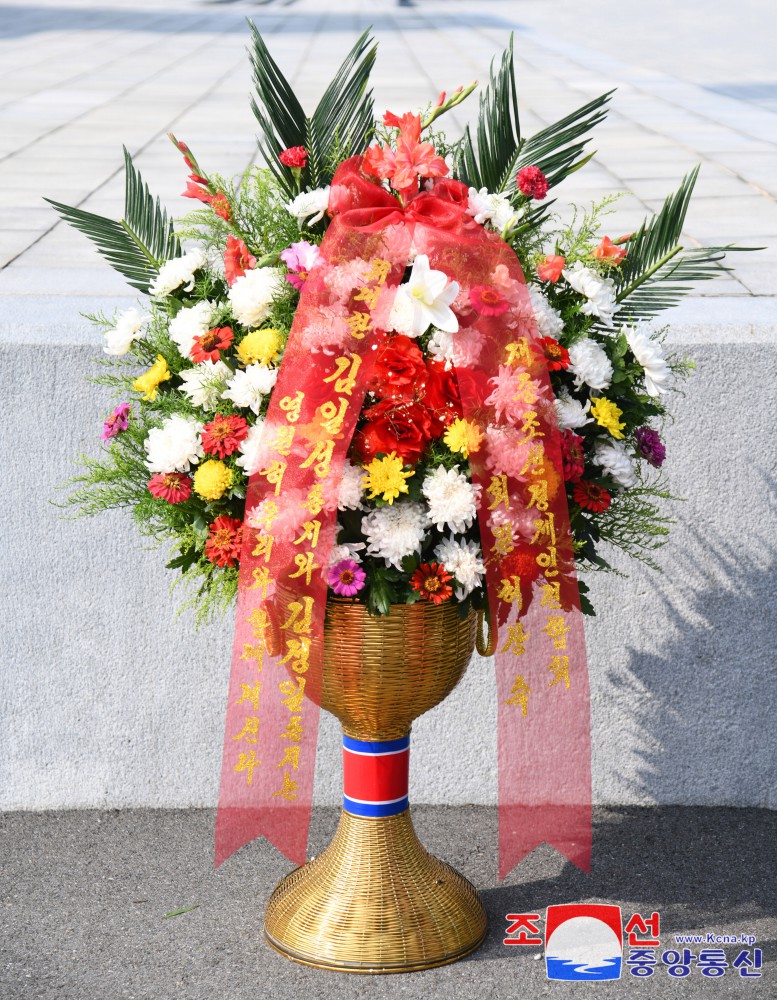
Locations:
{"points": [[375, 776]]}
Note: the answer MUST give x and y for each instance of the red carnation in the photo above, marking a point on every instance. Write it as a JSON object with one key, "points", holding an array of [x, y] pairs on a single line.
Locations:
{"points": [[394, 426], [400, 371], [207, 346], [572, 456], [532, 182], [556, 356], [487, 300], [175, 487], [295, 157], [591, 497], [431, 582], [237, 259], [223, 435], [442, 398], [550, 268], [223, 545]]}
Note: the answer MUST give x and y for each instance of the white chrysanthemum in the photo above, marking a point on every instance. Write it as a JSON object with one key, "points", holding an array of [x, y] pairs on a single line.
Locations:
{"points": [[441, 347], [616, 462], [492, 208], [250, 449], [599, 291], [249, 386], [431, 294], [128, 327], [649, 354], [589, 363], [402, 314], [464, 560], [348, 550], [251, 295], [176, 272], [309, 207], [452, 499], [204, 383], [190, 322], [351, 489], [395, 532], [175, 446], [549, 321], [571, 412]]}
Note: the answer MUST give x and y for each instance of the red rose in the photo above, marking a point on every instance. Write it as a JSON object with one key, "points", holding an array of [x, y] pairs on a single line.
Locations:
{"points": [[442, 396], [532, 182], [394, 426], [295, 157], [400, 371]]}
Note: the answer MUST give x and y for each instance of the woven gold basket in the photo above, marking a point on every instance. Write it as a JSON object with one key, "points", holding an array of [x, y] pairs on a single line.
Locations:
{"points": [[375, 900]]}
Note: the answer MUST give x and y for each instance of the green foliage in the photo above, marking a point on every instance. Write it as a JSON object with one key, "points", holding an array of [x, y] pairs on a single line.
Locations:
{"points": [[341, 124], [140, 242], [493, 159]]}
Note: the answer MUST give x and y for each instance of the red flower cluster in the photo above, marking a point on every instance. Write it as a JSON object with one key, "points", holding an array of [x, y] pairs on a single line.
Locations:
{"points": [[417, 399], [295, 157], [556, 356], [223, 545], [430, 580], [591, 497], [532, 182], [412, 159], [237, 259], [175, 487], [222, 436], [572, 456], [208, 346]]}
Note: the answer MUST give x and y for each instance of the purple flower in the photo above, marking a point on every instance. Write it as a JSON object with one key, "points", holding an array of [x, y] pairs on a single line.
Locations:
{"points": [[649, 446], [116, 422], [299, 258], [346, 578]]}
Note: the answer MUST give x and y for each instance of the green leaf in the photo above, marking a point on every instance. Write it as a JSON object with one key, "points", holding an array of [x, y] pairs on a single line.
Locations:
{"points": [[138, 244], [340, 125], [177, 913]]}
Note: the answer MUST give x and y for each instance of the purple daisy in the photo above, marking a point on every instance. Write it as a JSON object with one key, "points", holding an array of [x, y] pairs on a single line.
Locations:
{"points": [[346, 578], [650, 446]]}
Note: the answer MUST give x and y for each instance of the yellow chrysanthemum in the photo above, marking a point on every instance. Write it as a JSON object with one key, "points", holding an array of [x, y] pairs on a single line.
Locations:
{"points": [[260, 346], [212, 479], [606, 414], [463, 436], [149, 382], [385, 477]]}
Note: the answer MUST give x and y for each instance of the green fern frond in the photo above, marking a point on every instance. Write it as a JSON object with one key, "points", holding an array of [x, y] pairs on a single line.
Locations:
{"points": [[140, 242], [344, 115]]}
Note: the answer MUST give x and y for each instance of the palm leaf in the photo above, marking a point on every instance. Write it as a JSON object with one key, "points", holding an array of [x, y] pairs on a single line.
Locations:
{"points": [[500, 151], [140, 242], [658, 270], [341, 122]]}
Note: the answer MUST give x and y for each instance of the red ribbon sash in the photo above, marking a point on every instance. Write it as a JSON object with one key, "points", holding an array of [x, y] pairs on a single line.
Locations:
{"points": [[291, 513]]}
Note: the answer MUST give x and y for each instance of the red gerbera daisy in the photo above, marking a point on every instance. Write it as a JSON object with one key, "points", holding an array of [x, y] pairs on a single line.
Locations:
{"points": [[207, 346], [223, 546], [175, 487], [487, 300], [591, 497], [556, 356], [431, 582], [223, 435]]}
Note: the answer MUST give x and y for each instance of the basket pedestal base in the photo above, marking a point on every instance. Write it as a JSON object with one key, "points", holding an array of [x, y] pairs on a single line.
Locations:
{"points": [[375, 901]]}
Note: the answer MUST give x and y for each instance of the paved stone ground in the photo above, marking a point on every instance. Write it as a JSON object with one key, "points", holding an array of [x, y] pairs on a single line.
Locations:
{"points": [[79, 78], [83, 895]]}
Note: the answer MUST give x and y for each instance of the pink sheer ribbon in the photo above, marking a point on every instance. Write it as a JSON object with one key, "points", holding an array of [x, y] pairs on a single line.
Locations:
{"points": [[291, 513]]}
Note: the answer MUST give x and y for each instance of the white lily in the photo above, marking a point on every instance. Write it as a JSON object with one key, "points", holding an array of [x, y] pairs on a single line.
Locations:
{"points": [[431, 294]]}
